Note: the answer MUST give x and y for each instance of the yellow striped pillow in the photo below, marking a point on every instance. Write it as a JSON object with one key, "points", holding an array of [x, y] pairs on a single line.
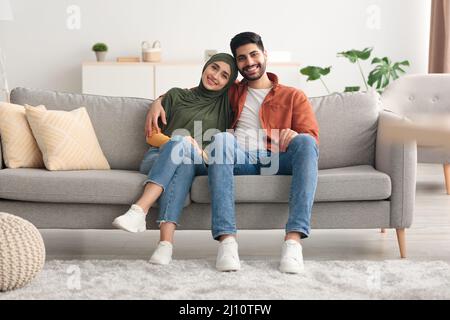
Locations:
{"points": [[66, 139], [20, 149]]}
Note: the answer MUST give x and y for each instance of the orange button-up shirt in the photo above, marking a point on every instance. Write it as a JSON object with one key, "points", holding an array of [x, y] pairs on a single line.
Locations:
{"points": [[283, 108]]}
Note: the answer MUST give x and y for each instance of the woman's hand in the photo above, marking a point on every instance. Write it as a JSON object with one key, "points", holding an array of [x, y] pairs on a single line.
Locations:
{"points": [[155, 111], [195, 144], [199, 150]]}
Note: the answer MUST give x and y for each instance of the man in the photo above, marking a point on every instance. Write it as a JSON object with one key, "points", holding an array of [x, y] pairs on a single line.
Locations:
{"points": [[290, 139]]}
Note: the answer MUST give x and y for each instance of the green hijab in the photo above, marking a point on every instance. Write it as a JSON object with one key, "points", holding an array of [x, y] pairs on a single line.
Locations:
{"points": [[184, 106]]}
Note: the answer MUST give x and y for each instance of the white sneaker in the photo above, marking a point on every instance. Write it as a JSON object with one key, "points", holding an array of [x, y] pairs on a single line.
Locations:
{"points": [[162, 254], [291, 257], [132, 221], [227, 255]]}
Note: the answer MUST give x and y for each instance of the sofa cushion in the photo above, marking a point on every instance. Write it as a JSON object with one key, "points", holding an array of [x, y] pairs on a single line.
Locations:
{"points": [[341, 184], [92, 186], [348, 128], [20, 147], [118, 122], [66, 139]]}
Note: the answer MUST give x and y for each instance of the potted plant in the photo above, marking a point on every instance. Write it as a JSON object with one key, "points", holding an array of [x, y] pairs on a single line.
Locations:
{"points": [[100, 50], [383, 73]]}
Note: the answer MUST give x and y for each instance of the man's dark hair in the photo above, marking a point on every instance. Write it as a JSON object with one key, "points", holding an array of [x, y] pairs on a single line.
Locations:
{"points": [[245, 38]]}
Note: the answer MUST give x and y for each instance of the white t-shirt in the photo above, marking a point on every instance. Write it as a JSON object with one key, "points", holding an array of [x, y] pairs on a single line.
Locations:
{"points": [[249, 133]]}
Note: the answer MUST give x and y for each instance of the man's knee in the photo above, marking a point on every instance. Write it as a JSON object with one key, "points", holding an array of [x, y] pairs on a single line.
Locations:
{"points": [[302, 141]]}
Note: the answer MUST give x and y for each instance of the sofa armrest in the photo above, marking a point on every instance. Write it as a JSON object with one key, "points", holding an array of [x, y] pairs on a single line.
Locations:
{"points": [[398, 159]]}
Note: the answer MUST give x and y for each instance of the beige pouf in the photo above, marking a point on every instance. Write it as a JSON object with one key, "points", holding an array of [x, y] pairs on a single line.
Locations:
{"points": [[22, 252]]}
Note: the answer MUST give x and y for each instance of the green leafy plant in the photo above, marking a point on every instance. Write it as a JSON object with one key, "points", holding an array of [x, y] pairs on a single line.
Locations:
{"points": [[354, 56], [316, 73], [352, 89], [383, 72], [99, 47]]}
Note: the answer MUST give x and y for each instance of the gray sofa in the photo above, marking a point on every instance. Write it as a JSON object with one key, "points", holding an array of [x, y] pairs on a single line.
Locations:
{"points": [[364, 180]]}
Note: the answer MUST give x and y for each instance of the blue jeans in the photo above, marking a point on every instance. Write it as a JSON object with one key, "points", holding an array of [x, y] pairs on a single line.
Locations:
{"points": [[172, 167], [300, 160]]}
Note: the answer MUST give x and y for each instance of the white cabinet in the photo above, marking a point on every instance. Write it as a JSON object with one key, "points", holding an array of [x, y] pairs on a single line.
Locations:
{"points": [[150, 80], [119, 79]]}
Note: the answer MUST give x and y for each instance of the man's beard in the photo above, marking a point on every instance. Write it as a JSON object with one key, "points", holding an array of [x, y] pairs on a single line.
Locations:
{"points": [[257, 76]]}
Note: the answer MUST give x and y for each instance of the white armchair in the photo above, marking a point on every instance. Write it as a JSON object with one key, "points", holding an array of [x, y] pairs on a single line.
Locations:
{"points": [[423, 94]]}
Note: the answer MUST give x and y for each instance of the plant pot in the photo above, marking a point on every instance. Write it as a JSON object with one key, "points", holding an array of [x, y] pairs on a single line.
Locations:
{"points": [[100, 55]]}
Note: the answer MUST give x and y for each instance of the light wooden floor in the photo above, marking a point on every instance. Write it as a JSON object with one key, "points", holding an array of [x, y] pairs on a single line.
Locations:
{"points": [[427, 239]]}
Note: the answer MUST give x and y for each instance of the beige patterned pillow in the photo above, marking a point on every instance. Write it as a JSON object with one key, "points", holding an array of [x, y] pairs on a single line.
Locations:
{"points": [[67, 139], [20, 149]]}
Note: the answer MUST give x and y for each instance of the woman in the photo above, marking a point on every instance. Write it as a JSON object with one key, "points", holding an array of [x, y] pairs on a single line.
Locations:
{"points": [[181, 157]]}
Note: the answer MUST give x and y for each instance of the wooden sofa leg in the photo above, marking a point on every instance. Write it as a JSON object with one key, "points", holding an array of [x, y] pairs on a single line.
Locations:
{"points": [[447, 177], [401, 242]]}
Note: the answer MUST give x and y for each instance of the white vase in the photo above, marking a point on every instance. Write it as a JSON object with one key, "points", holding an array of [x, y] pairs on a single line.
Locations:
{"points": [[100, 55]]}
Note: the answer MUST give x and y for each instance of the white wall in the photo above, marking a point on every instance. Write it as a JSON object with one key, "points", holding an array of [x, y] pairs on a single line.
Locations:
{"points": [[43, 53]]}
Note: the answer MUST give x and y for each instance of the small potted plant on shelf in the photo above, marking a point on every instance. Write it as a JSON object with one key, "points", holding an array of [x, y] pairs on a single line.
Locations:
{"points": [[100, 50]]}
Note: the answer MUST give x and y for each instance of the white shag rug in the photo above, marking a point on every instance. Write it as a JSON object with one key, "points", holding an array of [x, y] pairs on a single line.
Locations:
{"points": [[197, 279]]}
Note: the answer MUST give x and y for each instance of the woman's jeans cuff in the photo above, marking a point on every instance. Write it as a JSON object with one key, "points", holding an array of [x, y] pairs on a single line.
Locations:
{"points": [[154, 182], [159, 221]]}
